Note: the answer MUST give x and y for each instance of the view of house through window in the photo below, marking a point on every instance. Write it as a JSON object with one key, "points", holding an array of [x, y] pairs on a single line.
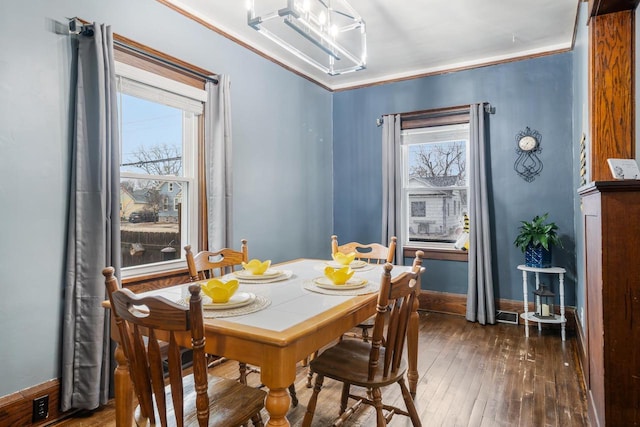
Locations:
{"points": [[435, 184], [158, 143]]}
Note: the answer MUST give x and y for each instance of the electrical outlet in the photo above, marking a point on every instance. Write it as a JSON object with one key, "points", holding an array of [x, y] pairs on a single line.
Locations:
{"points": [[40, 408]]}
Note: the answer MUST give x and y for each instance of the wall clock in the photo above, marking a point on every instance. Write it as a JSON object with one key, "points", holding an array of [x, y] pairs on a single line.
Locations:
{"points": [[528, 165]]}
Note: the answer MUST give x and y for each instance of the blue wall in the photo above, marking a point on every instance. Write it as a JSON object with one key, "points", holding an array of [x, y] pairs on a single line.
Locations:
{"points": [[303, 158], [282, 148], [535, 93]]}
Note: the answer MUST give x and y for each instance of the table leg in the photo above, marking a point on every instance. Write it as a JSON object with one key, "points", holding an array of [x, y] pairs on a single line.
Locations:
{"points": [[277, 378], [123, 390], [277, 404]]}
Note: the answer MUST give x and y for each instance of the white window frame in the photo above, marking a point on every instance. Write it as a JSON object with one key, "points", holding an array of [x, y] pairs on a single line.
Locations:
{"points": [[155, 88], [406, 191]]}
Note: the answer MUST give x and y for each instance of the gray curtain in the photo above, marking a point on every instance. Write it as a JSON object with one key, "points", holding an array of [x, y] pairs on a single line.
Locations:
{"points": [[93, 236], [391, 182], [480, 300], [217, 135]]}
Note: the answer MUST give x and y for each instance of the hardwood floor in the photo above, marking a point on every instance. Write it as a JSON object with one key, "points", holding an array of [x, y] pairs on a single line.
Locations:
{"points": [[470, 375]]}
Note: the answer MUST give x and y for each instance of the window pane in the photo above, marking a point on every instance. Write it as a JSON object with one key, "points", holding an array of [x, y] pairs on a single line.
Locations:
{"points": [[151, 137], [150, 229], [437, 164], [436, 216]]}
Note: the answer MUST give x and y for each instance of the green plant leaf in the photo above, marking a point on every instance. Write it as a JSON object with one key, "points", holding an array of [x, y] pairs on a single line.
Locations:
{"points": [[537, 233]]}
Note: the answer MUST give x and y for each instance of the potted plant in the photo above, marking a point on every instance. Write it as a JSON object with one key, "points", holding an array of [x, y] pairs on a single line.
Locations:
{"points": [[536, 239]]}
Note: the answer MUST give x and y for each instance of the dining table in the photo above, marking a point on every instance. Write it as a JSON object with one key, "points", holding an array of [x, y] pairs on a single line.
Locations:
{"points": [[293, 313]]}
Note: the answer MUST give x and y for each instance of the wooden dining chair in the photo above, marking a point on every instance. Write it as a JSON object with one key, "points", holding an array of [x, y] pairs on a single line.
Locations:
{"points": [[372, 253], [206, 265], [186, 400], [163, 345], [377, 364], [209, 264]]}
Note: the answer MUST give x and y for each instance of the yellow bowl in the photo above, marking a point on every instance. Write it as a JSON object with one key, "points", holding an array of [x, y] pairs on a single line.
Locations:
{"points": [[344, 259], [339, 276], [219, 291], [255, 266]]}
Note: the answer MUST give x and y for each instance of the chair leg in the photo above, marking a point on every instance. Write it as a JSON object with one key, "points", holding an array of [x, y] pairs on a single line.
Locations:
{"points": [[377, 402], [257, 420], [408, 401], [293, 394], [344, 399], [309, 371], [309, 378], [311, 406], [242, 367], [365, 333]]}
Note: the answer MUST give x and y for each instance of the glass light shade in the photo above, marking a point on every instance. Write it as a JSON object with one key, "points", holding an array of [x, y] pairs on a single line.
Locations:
{"points": [[327, 34]]}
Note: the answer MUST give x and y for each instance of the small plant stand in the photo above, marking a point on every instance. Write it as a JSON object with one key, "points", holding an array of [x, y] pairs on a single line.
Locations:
{"points": [[531, 316]]}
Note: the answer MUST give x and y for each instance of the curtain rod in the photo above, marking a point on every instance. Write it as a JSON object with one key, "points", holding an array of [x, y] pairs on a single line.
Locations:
{"points": [[166, 62], [487, 108], [78, 26]]}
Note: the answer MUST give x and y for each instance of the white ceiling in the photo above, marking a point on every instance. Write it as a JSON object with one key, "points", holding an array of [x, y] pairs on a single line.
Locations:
{"points": [[413, 37]]}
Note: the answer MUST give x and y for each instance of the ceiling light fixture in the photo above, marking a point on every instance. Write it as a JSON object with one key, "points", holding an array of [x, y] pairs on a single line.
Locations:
{"points": [[333, 26]]}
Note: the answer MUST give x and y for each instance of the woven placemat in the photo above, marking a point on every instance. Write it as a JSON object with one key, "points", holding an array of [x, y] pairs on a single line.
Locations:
{"points": [[260, 303], [369, 288]]}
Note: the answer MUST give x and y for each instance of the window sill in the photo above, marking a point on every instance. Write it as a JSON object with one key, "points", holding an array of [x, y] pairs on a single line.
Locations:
{"points": [[439, 254], [149, 282], [153, 269]]}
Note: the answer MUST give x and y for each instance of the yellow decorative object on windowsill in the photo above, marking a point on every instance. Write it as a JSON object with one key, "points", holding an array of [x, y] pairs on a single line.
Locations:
{"points": [[463, 239]]}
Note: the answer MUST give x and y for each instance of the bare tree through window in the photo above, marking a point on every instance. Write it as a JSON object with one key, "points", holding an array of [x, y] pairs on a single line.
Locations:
{"points": [[439, 160], [159, 159]]}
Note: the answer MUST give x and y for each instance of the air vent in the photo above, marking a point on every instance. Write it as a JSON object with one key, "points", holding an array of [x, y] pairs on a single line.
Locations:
{"points": [[507, 317]]}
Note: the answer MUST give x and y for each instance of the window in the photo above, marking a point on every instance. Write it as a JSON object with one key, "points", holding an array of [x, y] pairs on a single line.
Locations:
{"points": [[159, 133], [435, 184], [418, 209]]}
